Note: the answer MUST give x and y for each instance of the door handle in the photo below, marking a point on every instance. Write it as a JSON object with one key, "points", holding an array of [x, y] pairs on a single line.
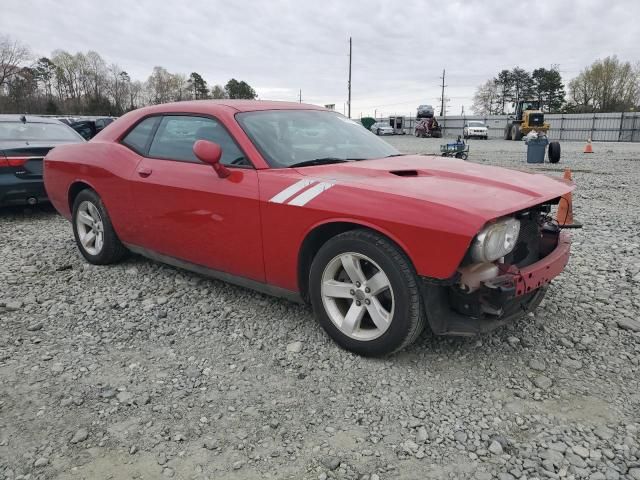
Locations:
{"points": [[144, 172]]}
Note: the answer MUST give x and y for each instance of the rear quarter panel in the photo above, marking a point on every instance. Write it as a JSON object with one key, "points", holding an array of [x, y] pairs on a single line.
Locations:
{"points": [[105, 166]]}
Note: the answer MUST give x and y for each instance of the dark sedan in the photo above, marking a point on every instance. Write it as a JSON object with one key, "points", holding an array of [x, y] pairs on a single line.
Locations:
{"points": [[89, 128], [24, 141]]}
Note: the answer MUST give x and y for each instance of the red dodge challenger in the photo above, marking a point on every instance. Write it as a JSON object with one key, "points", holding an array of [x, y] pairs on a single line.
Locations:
{"points": [[301, 202]]}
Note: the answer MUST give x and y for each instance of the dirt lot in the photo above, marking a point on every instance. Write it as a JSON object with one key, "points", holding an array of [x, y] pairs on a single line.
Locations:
{"points": [[143, 371]]}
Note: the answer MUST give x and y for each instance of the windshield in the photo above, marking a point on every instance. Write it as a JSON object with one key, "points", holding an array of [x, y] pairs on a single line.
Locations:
{"points": [[288, 137], [40, 132], [476, 124]]}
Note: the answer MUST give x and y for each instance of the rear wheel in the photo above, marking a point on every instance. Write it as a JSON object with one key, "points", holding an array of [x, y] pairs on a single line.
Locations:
{"points": [[507, 132], [365, 294], [554, 152], [92, 229], [378, 132]]}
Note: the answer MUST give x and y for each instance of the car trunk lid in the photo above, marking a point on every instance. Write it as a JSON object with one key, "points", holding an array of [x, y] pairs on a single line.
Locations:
{"points": [[23, 159]]}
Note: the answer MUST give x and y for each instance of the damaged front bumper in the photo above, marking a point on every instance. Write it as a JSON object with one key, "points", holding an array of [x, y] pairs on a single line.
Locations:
{"points": [[510, 295], [520, 281]]}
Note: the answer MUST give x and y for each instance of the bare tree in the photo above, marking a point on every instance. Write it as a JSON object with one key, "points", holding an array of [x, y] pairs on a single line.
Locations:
{"points": [[13, 55], [217, 92], [486, 99], [83, 83], [118, 85], [608, 85]]}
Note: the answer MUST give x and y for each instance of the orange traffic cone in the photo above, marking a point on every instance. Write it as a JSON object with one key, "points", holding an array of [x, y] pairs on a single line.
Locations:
{"points": [[588, 148], [564, 217]]}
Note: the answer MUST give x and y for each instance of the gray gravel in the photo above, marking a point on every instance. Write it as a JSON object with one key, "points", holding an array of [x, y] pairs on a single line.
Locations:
{"points": [[143, 371]]}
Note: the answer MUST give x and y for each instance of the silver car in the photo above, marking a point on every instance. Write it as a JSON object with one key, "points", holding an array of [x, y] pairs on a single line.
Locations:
{"points": [[381, 128], [425, 111]]}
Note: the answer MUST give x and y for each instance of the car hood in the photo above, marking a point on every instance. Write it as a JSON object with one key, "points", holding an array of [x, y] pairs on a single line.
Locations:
{"points": [[483, 191]]}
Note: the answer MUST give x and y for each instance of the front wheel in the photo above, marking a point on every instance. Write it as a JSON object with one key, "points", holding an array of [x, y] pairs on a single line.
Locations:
{"points": [[516, 134], [507, 132], [92, 229], [365, 293]]}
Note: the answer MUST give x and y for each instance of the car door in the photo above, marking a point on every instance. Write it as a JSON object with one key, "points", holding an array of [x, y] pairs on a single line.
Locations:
{"points": [[184, 210]]}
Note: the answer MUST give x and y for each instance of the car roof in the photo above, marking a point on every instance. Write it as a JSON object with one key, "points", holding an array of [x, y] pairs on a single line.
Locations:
{"points": [[235, 105], [29, 119]]}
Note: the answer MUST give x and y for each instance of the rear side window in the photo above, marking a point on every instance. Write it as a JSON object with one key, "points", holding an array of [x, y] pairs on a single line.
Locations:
{"points": [[139, 138], [176, 135]]}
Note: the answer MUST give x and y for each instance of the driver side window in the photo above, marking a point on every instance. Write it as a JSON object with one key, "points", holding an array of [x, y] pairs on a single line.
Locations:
{"points": [[176, 135]]}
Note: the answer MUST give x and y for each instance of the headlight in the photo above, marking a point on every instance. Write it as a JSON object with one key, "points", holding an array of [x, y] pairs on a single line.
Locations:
{"points": [[496, 240]]}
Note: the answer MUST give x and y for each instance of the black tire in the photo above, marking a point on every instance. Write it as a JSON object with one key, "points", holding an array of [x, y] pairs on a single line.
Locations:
{"points": [[378, 132], [408, 311], [516, 134], [554, 152], [112, 250], [486, 138], [507, 132]]}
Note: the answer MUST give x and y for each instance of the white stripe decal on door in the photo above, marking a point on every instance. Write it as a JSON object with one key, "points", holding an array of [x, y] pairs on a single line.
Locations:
{"points": [[308, 195], [291, 190]]}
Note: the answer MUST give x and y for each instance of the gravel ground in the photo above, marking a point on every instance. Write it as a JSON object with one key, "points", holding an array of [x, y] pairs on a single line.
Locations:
{"points": [[143, 371]]}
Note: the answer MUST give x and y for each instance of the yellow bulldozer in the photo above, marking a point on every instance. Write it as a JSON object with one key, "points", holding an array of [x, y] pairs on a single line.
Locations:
{"points": [[528, 116]]}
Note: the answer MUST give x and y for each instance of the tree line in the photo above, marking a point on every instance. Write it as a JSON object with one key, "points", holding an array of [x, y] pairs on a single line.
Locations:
{"points": [[608, 85], [85, 84]]}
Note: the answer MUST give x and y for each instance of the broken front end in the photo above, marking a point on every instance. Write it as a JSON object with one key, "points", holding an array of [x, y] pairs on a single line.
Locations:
{"points": [[503, 276]]}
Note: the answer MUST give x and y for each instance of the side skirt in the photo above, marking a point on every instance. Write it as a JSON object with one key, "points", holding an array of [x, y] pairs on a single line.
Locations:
{"points": [[217, 275]]}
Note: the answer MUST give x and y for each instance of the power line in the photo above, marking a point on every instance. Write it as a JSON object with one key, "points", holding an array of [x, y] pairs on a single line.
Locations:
{"points": [[349, 99], [442, 107]]}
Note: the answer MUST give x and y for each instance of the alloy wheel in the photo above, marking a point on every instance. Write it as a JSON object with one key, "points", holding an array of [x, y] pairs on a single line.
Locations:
{"points": [[357, 296], [90, 228]]}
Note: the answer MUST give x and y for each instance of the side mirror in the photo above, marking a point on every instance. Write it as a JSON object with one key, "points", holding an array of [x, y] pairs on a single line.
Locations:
{"points": [[209, 152]]}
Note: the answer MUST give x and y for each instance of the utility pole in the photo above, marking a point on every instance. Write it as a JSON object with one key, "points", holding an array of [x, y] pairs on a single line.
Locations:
{"points": [[300, 96], [442, 109], [349, 98]]}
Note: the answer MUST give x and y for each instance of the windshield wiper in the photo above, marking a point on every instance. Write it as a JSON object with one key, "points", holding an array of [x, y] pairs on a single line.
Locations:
{"points": [[321, 161]]}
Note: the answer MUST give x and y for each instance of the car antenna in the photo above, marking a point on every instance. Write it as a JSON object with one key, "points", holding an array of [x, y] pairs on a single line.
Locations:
{"points": [[23, 118]]}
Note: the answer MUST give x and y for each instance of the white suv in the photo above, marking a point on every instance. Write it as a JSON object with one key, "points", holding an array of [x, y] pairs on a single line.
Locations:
{"points": [[475, 129]]}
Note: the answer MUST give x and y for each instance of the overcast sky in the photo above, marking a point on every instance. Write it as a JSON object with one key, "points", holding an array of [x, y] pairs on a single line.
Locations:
{"points": [[280, 46]]}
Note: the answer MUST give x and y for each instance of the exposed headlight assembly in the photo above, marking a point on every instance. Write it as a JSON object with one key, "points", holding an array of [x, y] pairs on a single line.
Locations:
{"points": [[496, 240]]}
